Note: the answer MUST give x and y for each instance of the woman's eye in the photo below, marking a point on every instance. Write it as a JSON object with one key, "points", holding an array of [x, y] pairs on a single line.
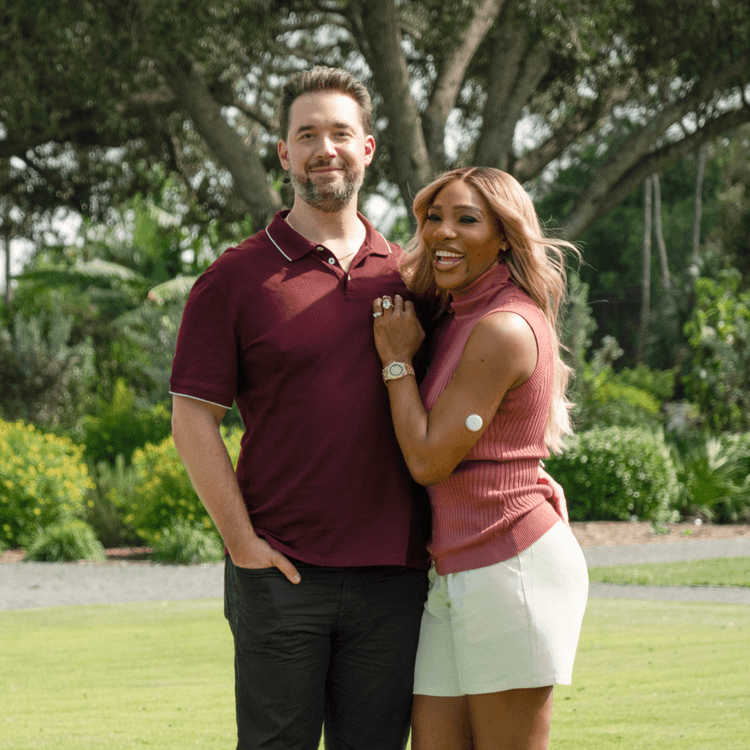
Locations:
{"points": [[469, 219], [433, 217]]}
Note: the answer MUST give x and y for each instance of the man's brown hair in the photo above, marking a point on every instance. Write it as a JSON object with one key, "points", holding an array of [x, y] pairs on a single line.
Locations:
{"points": [[321, 78]]}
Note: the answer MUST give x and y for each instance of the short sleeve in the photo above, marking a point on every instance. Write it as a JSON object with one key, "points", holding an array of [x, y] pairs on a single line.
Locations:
{"points": [[205, 364]]}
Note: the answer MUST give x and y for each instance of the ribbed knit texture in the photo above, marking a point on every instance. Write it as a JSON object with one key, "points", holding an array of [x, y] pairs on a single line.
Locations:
{"points": [[491, 507]]}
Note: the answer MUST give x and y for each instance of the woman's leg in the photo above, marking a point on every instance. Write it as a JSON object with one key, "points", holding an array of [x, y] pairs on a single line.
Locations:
{"points": [[440, 723], [511, 720]]}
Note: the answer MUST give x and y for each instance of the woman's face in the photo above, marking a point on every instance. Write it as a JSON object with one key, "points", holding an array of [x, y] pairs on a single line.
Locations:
{"points": [[461, 236]]}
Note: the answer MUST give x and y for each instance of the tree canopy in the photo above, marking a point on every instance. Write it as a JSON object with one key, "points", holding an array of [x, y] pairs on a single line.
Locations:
{"points": [[101, 100]]}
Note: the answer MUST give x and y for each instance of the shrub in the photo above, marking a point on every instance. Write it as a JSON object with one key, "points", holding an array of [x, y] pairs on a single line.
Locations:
{"points": [[606, 402], [120, 428], [45, 380], [629, 398], [65, 540], [163, 492], [718, 378], [615, 473], [42, 478], [106, 504], [187, 543]]}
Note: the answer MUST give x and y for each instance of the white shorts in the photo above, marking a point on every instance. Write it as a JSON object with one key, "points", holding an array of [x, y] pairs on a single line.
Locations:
{"points": [[511, 625]]}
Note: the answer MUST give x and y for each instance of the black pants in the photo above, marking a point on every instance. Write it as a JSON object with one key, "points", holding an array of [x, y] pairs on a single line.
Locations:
{"points": [[335, 650]]}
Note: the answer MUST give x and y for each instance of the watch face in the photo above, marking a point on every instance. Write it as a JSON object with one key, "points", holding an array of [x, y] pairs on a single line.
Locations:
{"points": [[396, 370]]}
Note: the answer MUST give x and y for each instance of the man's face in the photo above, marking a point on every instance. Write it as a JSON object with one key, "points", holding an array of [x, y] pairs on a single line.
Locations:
{"points": [[326, 150]]}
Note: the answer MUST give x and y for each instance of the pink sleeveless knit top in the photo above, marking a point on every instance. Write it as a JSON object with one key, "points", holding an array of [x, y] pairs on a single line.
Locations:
{"points": [[491, 507]]}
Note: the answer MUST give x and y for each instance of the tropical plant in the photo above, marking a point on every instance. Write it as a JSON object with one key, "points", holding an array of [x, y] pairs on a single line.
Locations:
{"points": [[714, 476]]}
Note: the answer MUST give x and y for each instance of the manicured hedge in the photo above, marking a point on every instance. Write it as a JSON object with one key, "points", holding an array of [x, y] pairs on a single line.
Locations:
{"points": [[615, 473]]}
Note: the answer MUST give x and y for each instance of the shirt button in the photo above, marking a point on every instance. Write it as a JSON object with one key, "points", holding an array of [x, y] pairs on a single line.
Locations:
{"points": [[320, 248], [332, 261]]}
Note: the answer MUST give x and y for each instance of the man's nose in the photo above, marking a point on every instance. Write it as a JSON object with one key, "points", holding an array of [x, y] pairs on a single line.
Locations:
{"points": [[326, 147]]}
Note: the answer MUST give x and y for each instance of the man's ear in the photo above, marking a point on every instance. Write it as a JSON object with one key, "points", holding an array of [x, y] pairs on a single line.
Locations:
{"points": [[369, 150], [283, 154]]}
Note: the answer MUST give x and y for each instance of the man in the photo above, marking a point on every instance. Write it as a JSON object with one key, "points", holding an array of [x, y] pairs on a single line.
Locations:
{"points": [[324, 528]]}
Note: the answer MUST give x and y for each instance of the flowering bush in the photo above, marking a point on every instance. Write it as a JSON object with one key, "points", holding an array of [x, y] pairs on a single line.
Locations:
{"points": [[42, 478], [162, 491], [614, 473]]}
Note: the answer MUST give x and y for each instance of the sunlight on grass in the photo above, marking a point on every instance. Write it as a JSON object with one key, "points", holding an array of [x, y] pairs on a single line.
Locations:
{"points": [[731, 571], [658, 675], [159, 674]]}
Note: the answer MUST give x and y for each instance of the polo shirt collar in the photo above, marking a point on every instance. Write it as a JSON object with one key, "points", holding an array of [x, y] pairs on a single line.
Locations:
{"points": [[294, 246]]}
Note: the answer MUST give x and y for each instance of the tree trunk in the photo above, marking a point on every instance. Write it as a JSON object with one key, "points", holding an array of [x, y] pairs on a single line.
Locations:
{"points": [[375, 26], [659, 232], [451, 76], [646, 276], [698, 204], [6, 248], [250, 179]]}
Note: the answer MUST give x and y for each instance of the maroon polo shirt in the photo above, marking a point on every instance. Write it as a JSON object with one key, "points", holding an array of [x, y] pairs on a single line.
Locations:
{"points": [[276, 325]]}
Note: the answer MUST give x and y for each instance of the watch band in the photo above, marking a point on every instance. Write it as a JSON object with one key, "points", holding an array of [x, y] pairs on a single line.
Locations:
{"points": [[396, 371]]}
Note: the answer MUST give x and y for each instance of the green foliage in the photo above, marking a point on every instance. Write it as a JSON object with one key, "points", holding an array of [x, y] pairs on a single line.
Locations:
{"points": [[105, 508], [718, 377], [578, 326], [614, 473], [119, 427], [163, 492], [714, 476], [187, 543], [42, 478], [65, 540], [46, 379], [628, 398]]}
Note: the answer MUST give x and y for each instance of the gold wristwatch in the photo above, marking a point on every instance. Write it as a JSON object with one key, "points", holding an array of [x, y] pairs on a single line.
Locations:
{"points": [[396, 371]]}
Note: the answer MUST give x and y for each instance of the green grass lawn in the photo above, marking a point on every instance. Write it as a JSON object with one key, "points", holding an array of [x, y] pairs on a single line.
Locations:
{"points": [[730, 571], [649, 675]]}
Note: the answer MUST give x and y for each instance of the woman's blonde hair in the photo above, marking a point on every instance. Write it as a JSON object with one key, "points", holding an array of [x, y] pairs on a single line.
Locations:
{"points": [[536, 262]]}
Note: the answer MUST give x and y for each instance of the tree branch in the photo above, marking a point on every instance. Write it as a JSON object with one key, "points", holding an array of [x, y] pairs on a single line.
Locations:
{"points": [[451, 75], [586, 212], [584, 115], [250, 179]]}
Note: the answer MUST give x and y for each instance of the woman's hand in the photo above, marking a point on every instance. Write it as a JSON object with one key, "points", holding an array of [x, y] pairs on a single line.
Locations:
{"points": [[557, 500], [398, 332]]}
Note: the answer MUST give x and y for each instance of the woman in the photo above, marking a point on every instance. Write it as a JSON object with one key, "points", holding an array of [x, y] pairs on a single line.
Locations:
{"points": [[508, 585]]}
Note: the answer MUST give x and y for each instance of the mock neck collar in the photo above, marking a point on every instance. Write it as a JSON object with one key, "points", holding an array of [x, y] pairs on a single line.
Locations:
{"points": [[472, 297]]}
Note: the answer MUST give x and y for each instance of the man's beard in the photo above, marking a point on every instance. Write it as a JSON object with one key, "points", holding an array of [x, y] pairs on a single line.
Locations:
{"points": [[328, 198]]}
